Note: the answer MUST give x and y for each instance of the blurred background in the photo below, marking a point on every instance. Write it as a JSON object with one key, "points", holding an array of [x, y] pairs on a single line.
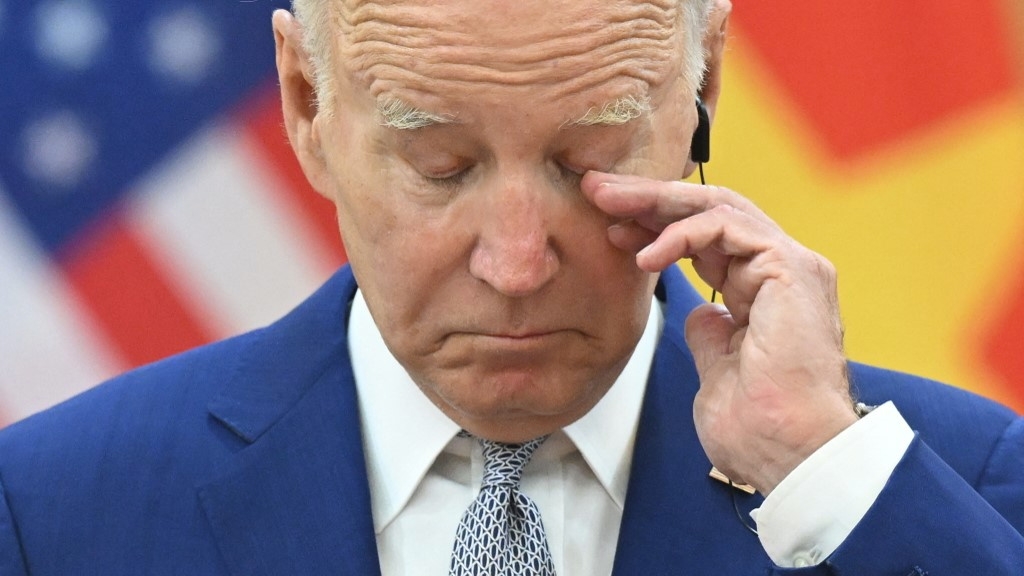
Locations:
{"points": [[149, 201]]}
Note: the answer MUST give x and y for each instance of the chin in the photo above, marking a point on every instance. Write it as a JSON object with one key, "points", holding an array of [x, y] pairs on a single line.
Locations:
{"points": [[515, 406]]}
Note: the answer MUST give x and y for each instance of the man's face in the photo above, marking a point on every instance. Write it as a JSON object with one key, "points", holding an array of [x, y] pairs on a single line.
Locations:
{"points": [[489, 274]]}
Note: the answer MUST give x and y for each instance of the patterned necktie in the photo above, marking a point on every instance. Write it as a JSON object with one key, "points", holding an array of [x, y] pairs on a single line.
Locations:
{"points": [[501, 533]]}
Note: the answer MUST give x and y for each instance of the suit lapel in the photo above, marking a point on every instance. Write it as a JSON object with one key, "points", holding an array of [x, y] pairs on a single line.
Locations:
{"points": [[295, 499], [676, 519]]}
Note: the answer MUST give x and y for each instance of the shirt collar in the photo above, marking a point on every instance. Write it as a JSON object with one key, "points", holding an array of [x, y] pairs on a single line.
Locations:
{"points": [[605, 435], [403, 432]]}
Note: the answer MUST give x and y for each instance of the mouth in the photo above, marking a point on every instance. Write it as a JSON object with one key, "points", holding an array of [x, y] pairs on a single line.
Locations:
{"points": [[513, 353], [518, 335], [517, 340]]}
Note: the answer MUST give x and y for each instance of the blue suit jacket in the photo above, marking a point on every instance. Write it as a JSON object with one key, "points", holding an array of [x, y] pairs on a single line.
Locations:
{"points": [[245, 458]]}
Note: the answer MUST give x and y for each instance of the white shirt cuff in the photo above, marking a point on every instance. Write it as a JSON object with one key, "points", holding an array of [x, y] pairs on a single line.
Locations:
{"points": [[818, 504]]}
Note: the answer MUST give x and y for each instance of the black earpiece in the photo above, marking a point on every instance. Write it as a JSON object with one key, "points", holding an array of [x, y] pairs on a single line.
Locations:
{"points": [[700, 146], [700, 152]]}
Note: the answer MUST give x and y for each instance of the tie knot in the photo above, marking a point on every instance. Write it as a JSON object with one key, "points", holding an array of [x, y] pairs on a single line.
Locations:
{"points": [[504, 463]]}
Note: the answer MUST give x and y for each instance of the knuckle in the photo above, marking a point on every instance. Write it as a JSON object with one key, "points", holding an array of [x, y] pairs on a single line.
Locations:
{"points": [[722, 210], [824, 267], [721, 194]]}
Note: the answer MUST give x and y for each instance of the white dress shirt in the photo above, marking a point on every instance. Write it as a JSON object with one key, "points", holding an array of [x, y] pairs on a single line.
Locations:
{"points": [[422, 476]]}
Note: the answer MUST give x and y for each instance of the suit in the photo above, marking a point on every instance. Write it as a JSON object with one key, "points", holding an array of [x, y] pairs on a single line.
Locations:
{"points": [[244, 457]]}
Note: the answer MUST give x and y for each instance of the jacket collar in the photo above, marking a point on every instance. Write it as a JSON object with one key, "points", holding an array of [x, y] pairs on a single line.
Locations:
{"points": [[676, 516], [295, 499]]}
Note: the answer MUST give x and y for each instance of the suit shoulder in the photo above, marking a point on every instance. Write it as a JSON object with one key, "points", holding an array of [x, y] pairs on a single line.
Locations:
{"points": [[173, 391], [169, 399]]}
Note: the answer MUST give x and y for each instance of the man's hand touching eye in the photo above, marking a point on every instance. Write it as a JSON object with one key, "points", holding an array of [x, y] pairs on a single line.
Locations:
{"points": [[771, 362]]}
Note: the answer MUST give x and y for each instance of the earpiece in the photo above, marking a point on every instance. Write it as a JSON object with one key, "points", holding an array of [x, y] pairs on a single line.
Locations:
{"points": [[700, 146], [700, 152]]}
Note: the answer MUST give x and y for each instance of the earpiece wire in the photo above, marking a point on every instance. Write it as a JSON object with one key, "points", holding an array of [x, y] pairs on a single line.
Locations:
{"points": [[700, 169]]}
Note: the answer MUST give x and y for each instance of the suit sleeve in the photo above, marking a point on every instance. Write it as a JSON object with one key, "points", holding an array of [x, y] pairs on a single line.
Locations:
{"points": [[12, 563], [928, 520]]}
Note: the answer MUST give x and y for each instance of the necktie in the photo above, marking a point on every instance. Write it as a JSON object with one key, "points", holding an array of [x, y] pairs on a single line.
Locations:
{"points": [[501, 533]]}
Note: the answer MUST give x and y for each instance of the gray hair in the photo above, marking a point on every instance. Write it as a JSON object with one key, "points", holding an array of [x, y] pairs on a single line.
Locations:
{"points": [[617, 112], [315, 18], [399, 115]]}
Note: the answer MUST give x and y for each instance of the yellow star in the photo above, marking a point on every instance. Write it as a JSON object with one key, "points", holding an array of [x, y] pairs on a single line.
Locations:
{"points": [[925, 233]]}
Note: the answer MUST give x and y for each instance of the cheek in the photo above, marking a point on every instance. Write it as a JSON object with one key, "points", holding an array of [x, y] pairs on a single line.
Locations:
{"points": [[601, 274], [402, 254], [378, 224]]}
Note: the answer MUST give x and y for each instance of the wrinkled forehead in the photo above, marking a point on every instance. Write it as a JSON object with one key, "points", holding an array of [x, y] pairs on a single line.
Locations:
{"points": [[559, 46]]}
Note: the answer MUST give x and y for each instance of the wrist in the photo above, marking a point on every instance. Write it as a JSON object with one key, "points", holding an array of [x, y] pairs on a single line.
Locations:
{"points": [[796, 449]]}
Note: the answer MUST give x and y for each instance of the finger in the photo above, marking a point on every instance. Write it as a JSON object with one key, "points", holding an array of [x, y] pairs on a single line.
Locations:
{"points": [[630, 236], [708, 331], [653, 203], [712, 267], [734, 253], [724, 229], [733, 279]]}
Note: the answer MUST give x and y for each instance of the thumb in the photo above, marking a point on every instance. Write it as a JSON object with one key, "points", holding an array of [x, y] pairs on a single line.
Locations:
{"points": [[709, 332]]}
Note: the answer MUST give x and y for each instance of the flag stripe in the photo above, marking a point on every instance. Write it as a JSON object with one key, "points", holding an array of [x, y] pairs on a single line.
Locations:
{"points": [[264, 124], [126, 294], [49, 348], [239, 254]]}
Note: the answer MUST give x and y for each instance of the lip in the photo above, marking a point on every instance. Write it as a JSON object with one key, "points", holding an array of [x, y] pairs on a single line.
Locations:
{"points": [[507, 350], [516, 334], [522, 345], [514, 339], [522, 336]]}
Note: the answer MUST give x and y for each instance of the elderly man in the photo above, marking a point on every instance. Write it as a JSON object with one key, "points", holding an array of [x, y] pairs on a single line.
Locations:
{"points": [[512, 377]]}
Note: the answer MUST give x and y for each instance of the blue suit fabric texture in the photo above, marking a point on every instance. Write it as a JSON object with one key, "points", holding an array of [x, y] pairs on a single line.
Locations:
{"points": [[244, 458]]}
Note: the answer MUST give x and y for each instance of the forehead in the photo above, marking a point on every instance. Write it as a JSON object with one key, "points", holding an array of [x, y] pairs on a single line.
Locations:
{"points": [[557, 48]]}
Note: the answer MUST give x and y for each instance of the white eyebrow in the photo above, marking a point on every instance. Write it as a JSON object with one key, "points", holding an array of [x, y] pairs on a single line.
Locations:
{"points": [[614, 113], [399, 115]]}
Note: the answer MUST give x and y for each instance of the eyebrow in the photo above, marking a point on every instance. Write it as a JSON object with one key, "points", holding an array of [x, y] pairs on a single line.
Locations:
{"points": [[615, 113], [400, 115]]}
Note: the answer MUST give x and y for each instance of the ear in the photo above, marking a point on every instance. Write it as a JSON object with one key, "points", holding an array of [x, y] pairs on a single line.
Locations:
{"points": [[714, 47], [298, 99]]}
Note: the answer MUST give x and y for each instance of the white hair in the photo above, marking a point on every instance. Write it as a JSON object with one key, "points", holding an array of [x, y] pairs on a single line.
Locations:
{"points": [[395, 113], [617, 112], [315, 19]]}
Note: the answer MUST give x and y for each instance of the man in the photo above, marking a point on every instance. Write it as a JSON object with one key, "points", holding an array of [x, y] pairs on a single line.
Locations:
{"points": [[506, 178]]}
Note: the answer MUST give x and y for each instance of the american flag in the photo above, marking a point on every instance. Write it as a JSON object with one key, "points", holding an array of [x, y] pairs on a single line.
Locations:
{"points": [[149, 201]]}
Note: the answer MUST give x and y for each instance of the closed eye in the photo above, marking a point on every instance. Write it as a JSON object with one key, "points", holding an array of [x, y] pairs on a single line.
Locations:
{"points": [[568, 177], [448, 181], [571, 177]]}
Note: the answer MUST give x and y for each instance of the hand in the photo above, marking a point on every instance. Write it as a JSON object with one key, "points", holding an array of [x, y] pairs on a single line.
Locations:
{"points": [[773, 376]]}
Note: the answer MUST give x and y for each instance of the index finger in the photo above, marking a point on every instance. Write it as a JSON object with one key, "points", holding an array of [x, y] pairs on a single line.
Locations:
{"points": [[654, 204]]}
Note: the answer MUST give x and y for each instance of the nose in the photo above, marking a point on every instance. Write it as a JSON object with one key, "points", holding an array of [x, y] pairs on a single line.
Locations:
{"points": [[515, 252]]}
